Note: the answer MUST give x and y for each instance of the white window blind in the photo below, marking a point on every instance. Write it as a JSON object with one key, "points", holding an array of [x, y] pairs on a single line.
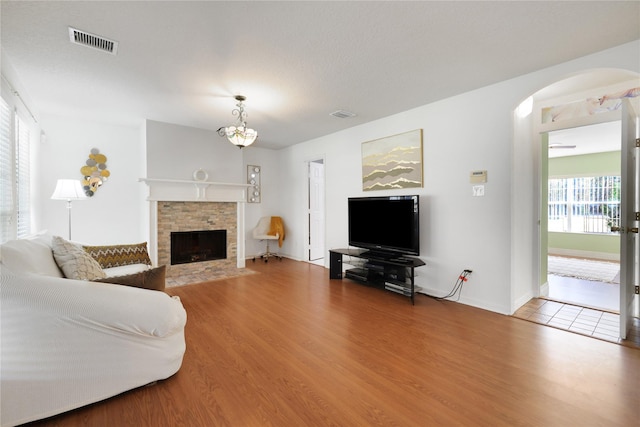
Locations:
{"points": [[7, 172], [15, 205], [23, 142]]}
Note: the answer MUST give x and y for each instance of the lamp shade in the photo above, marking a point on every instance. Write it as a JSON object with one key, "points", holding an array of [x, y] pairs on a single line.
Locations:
{"points": [[241, 136], [68, 189]]}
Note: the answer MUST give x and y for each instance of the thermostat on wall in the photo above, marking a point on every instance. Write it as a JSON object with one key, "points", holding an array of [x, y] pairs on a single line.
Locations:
{"points": [[477, 177]]}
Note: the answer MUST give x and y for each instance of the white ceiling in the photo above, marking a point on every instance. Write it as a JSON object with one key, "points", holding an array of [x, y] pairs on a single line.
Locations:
{"points": [[296, 62], [598, 138]]}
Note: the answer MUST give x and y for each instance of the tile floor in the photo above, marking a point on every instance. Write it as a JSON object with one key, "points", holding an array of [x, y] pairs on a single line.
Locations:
{"points": [[586, 321]]}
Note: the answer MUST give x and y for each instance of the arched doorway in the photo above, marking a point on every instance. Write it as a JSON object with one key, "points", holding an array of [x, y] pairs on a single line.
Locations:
{"points": [[567, 103]]}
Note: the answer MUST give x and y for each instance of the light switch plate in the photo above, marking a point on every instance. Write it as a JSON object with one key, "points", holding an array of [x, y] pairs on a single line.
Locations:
{"points": [[478, 190]]}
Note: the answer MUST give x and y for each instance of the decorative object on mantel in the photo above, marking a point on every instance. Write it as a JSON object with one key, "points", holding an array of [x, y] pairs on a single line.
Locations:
{"points": [[200, 175], [95, 172], [392, 163], [239, 135], [68, 189], [253, 179]]}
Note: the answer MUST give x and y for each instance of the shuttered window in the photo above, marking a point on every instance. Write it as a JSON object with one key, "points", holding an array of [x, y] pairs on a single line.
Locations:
{"points": [[7, 172], [23, 210], [15, 210]]}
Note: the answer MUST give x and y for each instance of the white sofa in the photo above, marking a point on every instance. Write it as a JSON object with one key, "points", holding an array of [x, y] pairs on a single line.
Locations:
{"points": [[66, 343]]}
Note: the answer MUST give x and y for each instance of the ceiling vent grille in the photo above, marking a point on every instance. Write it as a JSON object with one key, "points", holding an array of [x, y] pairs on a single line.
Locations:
{"points": [[93, 41], [342, 114]]}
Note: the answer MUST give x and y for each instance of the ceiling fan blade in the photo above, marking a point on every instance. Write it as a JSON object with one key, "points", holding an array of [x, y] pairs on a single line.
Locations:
{"points": [[554, 146]]}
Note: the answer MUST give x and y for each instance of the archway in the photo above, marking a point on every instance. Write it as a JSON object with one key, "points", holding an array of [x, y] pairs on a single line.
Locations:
{"points": [[531, 128]]}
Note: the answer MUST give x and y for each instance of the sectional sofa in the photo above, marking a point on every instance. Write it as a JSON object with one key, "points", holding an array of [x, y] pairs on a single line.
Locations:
{"points": [[68, 342]]}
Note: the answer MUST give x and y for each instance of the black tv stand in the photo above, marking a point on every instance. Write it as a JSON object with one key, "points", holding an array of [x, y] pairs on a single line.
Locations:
{"points": [[390, 272], [377, 255]]}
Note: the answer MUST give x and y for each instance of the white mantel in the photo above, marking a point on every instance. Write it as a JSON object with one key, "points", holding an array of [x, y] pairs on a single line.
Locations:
{"points": [[172, 190]]}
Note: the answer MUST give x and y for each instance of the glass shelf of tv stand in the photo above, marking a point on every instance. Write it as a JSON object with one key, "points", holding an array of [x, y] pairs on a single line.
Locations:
{"points": [[393, 274]]}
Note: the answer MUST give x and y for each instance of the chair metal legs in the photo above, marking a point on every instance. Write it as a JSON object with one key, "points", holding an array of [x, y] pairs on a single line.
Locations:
{"points": [[268, 254]]}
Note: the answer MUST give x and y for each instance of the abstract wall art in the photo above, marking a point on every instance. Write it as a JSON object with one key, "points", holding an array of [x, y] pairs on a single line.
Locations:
{"points": [[394, 162]]}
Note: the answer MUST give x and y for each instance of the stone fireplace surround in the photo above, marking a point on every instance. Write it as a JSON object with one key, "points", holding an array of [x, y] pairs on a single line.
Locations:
{"points": [[177, 205]]}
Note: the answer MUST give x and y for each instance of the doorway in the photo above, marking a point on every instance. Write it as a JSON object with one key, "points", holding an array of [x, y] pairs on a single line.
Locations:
{"points": [[583, 185], [316, 212], [619, 101]]}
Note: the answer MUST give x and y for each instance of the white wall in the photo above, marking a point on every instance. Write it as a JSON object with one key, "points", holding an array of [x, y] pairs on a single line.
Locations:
{"points": [[115, 212], [456, 227], [270, 203], [493, 235], [118, 211], [175, 152]]}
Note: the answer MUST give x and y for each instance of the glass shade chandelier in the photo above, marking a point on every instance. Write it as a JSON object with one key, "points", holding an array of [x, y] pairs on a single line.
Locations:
{"points": [[239, 134]]}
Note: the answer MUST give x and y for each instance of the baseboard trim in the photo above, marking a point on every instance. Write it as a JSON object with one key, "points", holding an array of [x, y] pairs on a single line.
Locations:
{"points": [[466, 301], [522, 301], [544, 290], [576, 253]]}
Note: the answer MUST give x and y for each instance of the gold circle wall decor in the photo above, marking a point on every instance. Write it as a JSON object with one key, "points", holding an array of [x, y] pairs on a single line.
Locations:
{"points": [[94, 172]]}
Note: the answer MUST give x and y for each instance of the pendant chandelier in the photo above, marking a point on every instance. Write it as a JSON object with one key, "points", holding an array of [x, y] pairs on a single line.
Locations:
{"points": [[239, 134]]}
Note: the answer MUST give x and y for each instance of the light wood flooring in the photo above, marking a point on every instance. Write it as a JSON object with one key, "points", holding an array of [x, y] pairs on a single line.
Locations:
{"points": [[289, 347]]}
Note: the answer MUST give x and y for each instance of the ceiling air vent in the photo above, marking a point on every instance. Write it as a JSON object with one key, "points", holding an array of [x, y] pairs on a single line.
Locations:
{"points": [[342, 114], [91, 40]]}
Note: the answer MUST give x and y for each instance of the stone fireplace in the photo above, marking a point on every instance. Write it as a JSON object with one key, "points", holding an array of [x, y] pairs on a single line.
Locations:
{"points": [[196, 216], [180, 206]]}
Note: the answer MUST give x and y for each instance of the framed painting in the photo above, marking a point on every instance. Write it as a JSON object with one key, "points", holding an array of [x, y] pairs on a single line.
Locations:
{"points": [[392, 163]]}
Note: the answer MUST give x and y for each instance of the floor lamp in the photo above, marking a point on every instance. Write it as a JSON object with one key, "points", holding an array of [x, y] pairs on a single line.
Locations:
{"points": [[68, 189]]}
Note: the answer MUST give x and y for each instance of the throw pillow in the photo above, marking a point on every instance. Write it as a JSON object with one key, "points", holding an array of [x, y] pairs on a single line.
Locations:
{"points": [[117, 255], [74, 262], [153, 279]]}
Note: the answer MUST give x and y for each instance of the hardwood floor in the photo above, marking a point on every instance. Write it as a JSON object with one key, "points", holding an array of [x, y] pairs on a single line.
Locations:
{"points": [[289, 347]]}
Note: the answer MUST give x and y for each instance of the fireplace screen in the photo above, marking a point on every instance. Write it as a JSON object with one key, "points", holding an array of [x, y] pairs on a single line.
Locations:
{"points": [[197, 246]]}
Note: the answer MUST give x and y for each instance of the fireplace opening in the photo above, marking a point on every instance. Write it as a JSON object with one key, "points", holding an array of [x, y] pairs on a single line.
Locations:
{"points": [[198, 246]]}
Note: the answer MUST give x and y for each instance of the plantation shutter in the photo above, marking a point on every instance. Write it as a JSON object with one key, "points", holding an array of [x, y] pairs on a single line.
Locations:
{"points": [[23, 143], [7, 174]]}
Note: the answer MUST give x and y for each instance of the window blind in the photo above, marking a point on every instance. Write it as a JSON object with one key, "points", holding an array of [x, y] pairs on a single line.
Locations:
{"points": [[7, 172], [23, 142], [15, 200]]}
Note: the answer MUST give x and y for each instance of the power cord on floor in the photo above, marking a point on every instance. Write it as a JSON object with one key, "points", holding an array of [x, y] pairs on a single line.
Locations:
{"points": [[457, 288]]}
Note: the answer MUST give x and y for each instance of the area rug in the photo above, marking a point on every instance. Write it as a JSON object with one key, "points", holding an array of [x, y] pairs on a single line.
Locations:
{"points": [[587, 269], [190, 279]]}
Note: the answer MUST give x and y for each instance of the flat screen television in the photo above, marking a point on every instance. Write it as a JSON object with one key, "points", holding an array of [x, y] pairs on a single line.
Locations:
{"points": [[387, 226]]}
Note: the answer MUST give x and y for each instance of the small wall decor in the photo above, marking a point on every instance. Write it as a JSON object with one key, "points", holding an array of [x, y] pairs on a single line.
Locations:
{"points": [[200, 175], [95, 172], [591, 106], [253, 178], [394, 162]]}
